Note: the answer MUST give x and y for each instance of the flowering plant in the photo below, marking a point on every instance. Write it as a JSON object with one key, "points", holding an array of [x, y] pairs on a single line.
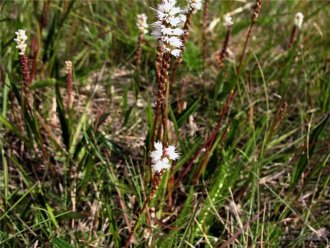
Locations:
{"points": [[161, 157]]}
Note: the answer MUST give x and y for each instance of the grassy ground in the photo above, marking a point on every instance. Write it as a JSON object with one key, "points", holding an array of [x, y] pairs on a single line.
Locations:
{"points": [[78, 177]]}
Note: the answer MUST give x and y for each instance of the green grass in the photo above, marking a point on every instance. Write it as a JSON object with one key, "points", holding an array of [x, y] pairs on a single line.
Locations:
{"points": [[79, 178]]}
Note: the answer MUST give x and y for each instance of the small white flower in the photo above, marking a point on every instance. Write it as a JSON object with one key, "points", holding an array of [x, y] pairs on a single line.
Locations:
{"points": [[166, 31], [167, 6], [174, 11], [158, 146], [183, 18], [157, 154], [171, 153], [195, 5], [298, 19], [157, 24], [227, 20], [142, 24], [175, 21], [20, 40], [172, 31], [162, 160], [167, 11], [174, 42], [176, 53], [177, 31], [161, 15], [163, 164], [157, 32]]}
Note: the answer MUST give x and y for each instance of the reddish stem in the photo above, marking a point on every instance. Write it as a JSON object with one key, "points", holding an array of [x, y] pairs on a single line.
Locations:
{"points": [[25, 73], [294, 35], [163, 76], [139, 50], [205, 14], [69, 83], [255, 15], [223, 52]]}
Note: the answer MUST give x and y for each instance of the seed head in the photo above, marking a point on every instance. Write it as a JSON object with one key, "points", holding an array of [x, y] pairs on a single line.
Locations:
{"points": [[256, 11], [20, 40]]}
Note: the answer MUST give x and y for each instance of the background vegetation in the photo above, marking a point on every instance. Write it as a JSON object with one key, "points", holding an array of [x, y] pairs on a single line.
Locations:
{"points": [[79, 177]]}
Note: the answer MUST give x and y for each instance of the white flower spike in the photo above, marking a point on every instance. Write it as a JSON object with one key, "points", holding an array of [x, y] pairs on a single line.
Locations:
{"points": [[299, 19], [20, 40], [142, 24], [161, 158], [168, 28]]}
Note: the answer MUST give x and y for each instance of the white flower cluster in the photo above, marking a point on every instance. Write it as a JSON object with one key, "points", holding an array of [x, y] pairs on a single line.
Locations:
{"points": [[227, 21], [298, 19], [20, 40], [142, 24], [168, 27], [68, 66], [161, 158], [194, 5]]}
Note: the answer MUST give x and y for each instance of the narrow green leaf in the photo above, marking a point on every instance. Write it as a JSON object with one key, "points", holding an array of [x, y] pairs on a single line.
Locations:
{"points": [[62, 118], [185, 115], [303, 161]]}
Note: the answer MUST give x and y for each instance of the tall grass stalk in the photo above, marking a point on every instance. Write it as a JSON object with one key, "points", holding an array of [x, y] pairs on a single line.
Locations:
{"points": [[204, 29], [221, 56], [255, 15]]}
